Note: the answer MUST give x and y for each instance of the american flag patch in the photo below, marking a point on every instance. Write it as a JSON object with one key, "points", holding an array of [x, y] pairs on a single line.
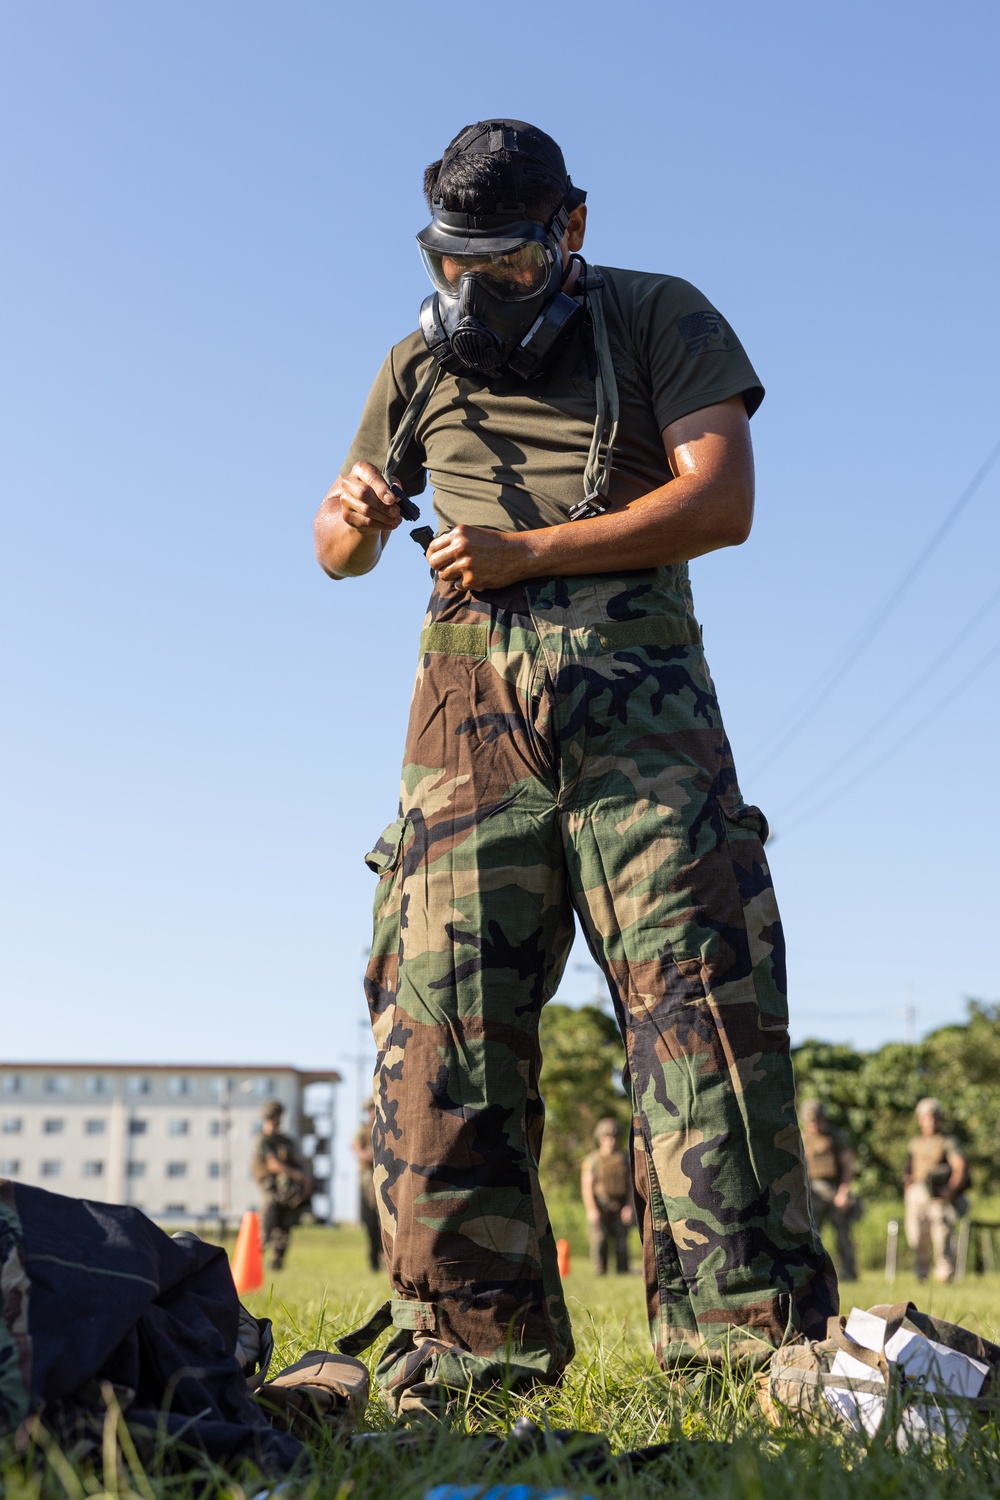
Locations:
{"points": [[705, 333]]}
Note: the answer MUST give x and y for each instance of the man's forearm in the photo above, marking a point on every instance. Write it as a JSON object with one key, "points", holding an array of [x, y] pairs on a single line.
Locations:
{"points": [[957, 1165], [343, 551], [679, 521]]}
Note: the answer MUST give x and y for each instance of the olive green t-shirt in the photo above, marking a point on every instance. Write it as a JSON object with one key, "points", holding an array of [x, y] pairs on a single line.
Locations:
{"points": [[510, 454]]}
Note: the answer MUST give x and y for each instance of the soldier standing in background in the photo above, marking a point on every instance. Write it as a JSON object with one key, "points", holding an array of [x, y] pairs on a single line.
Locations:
{"points": [[936, 1173], [830, 1165], [367, 1205], [606, 1187], [285, 1181]]}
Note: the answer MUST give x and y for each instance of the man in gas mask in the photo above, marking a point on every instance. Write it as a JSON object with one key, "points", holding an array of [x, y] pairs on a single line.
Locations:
{"points": [[586, 434]]}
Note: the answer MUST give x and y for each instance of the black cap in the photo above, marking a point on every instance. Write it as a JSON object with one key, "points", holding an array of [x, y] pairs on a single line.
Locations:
{"points": [[531, 157], [532, 153]]}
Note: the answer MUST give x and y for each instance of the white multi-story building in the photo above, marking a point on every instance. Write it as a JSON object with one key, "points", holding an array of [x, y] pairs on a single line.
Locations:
{"points": [[175, 1141]]}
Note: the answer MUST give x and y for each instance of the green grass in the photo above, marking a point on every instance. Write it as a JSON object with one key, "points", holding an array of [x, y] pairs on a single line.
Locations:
{"points": [[724, 1449]]}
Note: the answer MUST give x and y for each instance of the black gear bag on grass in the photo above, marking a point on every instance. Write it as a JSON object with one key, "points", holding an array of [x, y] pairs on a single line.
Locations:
{"points": [[96, 1295]]}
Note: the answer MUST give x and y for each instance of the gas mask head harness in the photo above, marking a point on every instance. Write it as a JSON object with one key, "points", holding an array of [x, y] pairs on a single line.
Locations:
{"points": [[498, 304]]}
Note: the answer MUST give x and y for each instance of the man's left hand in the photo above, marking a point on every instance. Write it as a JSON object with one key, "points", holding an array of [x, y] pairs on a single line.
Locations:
{"points": [[478, 558]]}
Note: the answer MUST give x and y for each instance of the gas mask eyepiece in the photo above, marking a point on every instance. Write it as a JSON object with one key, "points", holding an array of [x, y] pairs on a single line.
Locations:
{"points": [[511, 275]]}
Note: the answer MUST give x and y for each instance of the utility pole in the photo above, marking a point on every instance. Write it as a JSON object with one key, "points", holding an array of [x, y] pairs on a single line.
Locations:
{"points": [[225, 1153], [910, 1017], [601, 998]]}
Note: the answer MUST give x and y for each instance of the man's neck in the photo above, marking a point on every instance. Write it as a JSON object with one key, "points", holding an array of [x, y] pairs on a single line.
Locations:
{"points": [[572, 275]]}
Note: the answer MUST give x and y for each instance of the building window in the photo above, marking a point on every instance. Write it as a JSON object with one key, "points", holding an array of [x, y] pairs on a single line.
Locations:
{"points": [[177, 1168], [139, 1084], [176, 1208], [180, 1086], [96, 1084], [11, 1083], [51, 1168], [177, 1127], [94, 1127], [10, 1125], [93, 1169], [57, 1083], [52, 1127], [9, 1167], [136, 1168], [211, 1208], [137, 1127], [215, 1127], [214, 1169]]}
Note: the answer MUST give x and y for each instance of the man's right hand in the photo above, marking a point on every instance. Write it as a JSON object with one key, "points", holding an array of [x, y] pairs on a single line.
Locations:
{"points": [[357, 515], [366, 501]]}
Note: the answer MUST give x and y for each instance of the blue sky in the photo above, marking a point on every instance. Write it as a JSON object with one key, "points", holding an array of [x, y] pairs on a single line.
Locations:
{"points": [[208, 249]]}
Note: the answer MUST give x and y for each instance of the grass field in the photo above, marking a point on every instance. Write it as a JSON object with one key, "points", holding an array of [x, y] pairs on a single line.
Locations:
{"points": [[723, 1448]]}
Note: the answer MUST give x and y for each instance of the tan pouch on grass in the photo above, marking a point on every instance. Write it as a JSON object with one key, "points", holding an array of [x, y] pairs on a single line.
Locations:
{"points": [[795, 1382], [320, 1391]]}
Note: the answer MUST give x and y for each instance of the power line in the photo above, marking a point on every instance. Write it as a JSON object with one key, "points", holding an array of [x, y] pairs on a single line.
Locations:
{"points": [[900, 703], [903, 740], [838, 672]]}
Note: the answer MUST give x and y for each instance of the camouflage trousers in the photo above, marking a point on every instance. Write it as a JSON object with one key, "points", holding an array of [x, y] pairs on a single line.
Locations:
{"points": [[276, 1224], [824, 1209], [609, 1231], [929, 1225], [566, 755]]}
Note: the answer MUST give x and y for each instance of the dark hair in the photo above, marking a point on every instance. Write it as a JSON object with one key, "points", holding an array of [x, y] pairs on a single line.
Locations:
{"points": [[477, 182]]}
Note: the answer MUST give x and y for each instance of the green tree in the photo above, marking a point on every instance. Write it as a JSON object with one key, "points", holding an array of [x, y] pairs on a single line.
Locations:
{"points": [[583, 1059], [871, 1096]]}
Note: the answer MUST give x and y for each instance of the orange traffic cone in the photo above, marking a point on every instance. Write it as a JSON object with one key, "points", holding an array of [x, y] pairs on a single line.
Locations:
{"points": [[562, 1256], [247, 1264]]}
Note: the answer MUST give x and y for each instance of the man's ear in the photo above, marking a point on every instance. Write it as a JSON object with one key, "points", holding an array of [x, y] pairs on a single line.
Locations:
{"points": [[576, 228]]}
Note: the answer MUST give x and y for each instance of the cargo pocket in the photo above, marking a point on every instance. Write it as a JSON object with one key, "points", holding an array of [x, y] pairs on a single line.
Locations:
{"points": [[388, 850], [382, 978], [746, 832]]}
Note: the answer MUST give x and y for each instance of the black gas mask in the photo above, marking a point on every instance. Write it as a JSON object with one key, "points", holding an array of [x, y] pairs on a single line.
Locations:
{"points": [[497, 304]]}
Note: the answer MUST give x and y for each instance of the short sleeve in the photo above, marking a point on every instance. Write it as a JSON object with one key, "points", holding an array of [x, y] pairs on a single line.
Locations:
{"points": [[383, 411], [689, 351]]}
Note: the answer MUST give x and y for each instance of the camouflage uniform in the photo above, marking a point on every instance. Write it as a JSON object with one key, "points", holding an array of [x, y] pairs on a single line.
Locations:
{"points": [[367, 1205], [930, 1219], [283, 1199], [611, 1185], [566, 753], [825, 1148]]}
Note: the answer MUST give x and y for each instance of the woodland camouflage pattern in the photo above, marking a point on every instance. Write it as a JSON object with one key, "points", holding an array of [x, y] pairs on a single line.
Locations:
{"points": [[566, 752]]}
